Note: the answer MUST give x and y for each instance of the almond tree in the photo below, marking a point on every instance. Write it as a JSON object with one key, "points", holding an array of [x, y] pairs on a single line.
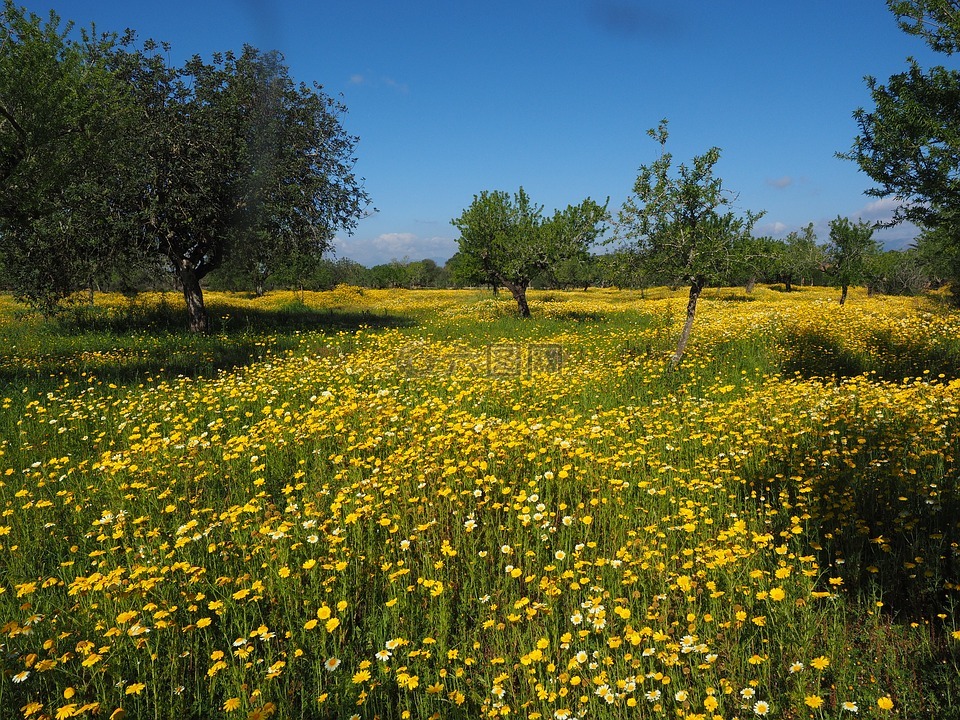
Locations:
{"points": [[676, 223], [508, 242]]}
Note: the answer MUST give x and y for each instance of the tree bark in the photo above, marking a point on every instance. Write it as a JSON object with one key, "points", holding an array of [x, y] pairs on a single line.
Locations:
{"points": [[788, 284], [843, 294], [695, 289], [519, 293], [193, 294]]}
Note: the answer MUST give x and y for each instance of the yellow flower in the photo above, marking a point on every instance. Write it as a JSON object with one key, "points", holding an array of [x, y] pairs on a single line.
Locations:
{"points": [[66, 711], [134, 689], [332, 624], [231, 704], [813, 701], [361, 676], [820, 663], [885, 703], [203, 622]]}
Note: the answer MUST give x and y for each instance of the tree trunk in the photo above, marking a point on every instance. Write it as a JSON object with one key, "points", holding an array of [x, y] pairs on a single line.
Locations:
{"points": [[519, 293], [843, 294], [695, 289], [193, 294], [787, 284]]}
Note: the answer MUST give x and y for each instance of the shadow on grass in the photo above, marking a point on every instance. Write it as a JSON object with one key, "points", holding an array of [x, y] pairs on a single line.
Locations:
{"points": [[882, 514], [815, 354], [885, 507], [128, 345]]}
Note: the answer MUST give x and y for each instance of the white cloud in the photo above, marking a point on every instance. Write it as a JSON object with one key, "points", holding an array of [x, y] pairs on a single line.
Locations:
{"points": [[780, 182], [771, 228], [881, 210], [396, 85], [382, 81], [385, 247]]}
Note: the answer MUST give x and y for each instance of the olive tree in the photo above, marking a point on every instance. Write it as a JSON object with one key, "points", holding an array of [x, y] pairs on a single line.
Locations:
{"points": [[849, 251], [235, 163]]}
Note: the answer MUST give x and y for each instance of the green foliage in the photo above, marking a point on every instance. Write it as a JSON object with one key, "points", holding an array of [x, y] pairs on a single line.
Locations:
{"points": [[676, 222], [676, 218], [936, 21], [506, 241], [801, 256], [909, 144], [238, 164], [61, 113], [113, 162], [850, 247]]}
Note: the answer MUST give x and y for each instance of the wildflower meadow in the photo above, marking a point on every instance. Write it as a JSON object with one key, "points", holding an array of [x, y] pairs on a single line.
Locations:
{"points": [[413, 504]]}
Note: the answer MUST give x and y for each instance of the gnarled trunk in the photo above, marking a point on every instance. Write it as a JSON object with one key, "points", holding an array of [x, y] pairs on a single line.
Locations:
{"points": [[696, 288], [193, 294], [519, 293]]}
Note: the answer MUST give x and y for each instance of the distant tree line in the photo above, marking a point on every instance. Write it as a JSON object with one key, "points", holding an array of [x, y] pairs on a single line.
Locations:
{"points": [[798, 260]]}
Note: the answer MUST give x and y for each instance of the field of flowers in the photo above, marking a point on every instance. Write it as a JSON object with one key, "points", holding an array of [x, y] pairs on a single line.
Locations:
{"points": [[411, 504]]}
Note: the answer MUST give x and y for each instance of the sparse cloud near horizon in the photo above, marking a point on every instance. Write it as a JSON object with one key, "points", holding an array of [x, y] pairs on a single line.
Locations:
{"points": [[389, 246]]}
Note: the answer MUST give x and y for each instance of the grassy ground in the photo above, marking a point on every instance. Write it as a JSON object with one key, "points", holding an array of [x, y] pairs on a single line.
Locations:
{"points": [[413, 504]]}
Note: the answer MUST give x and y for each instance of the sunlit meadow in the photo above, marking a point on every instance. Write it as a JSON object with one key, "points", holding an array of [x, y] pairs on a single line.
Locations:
{"points": [[411, 504]]}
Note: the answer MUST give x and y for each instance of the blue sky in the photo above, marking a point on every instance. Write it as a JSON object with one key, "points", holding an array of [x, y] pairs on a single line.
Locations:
{"points": [[452, 98]]}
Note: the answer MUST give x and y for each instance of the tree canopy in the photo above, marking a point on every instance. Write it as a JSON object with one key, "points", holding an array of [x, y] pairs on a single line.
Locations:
{"points": [[909, 143], [678, 225], [112, 158], [62, 117], [851, 246], [508, 242]]}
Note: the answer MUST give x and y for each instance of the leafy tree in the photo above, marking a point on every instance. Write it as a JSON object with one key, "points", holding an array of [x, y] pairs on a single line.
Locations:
{"points": [[850, 247], [753, 259], [909, 143], [675, 221], [61, 114], [466, 271], [234, 160], [576, 271], [895, 272], [938, 250], [800, 258], [508, 242]]}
